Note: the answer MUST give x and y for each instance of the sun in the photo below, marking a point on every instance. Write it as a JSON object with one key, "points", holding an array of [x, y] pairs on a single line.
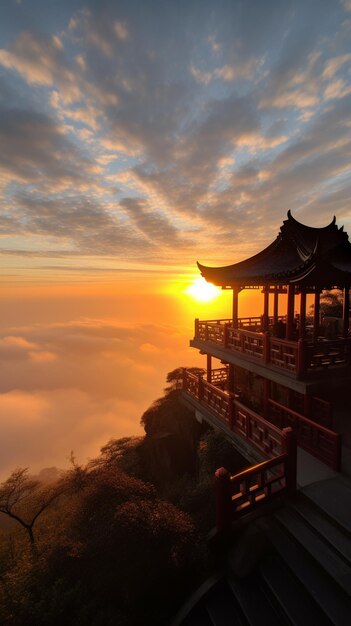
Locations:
{"points": [[202, 291]]}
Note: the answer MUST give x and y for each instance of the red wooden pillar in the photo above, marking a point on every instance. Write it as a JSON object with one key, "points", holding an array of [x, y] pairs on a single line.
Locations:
{"points": [[307, 404], [346, 311], [209, 369], [290, 448], [265, 320], [235, 305], [231, 379], [290, 312], [301, 358], [302, 329], [275, 307], [316, 315], [266, 396], [223, 499]]}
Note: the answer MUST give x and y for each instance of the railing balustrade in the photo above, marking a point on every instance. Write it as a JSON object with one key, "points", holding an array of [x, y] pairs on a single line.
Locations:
{"points": [[243, 493], [219, 376], [260, 433], [321, 442], [321, 412], [266, 434], [296, 357]]}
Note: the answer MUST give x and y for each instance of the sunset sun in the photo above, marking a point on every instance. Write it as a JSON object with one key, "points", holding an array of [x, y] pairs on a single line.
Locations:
{"points": [[202, 291]]}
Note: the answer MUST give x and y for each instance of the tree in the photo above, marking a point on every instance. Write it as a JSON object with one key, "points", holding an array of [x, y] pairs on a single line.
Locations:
{"points": [[331, 303], [24, 499]]}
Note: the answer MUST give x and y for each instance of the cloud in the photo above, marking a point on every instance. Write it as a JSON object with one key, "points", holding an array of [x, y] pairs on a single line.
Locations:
{"points": [[41, 60], [227, 72], [129, 135], [76, 384], [39, 151]]}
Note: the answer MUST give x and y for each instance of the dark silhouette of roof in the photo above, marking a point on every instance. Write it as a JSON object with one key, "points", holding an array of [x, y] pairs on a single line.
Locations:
{"points": [[300, 254]]}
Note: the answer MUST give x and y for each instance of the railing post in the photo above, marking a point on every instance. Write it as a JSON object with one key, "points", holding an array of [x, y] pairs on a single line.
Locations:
{"points": [[197, 328], [266, 347], [337, 458], [290, 448], [223, 499], [301, 358], [225, 338], [201, 388], [231, 411]]}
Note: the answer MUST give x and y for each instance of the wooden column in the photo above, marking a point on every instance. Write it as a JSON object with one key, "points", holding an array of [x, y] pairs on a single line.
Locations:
{"points": [[290, 312], [265, 320], [231, 380], [223, 499], [316, 315], [235, 305], [275, 307], [209, 369], [266, 396], [302, 329], [346, 310], [291, 450]]}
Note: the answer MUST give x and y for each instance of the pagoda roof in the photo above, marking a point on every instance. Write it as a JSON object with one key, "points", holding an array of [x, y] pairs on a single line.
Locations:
{"points": [[300, 254]]}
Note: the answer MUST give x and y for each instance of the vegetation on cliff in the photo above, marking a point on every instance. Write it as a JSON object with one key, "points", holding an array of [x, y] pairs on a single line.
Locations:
{"points": [[119, 540]]}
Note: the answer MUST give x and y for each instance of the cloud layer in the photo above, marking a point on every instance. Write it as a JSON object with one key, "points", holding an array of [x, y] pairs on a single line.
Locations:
{"points": [[134, 129], [72, 385]]}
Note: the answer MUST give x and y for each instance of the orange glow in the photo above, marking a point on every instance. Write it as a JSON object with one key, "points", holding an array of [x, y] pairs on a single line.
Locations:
{"points": [[202, 291]]}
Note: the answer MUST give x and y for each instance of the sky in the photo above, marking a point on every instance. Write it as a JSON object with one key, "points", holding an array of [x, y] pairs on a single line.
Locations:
{"points": [[137, 138]]}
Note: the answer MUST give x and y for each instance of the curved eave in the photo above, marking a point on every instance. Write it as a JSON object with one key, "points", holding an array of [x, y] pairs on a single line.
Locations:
{"points": [[298, 252]]}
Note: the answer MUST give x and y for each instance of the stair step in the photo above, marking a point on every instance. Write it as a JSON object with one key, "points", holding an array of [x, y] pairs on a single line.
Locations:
{"points": [[254, 602], [333, 496], [324, 591], [321, 552], [339, 540], [296, 605], [223, 608], [198, 616]]}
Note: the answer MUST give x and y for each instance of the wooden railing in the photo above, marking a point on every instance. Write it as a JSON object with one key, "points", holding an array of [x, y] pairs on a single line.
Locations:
{"points": [[245, 341], [243, 493], [219, 376], [321, 442], [283, 353], [325, 353], [266, 434], [321, 412], [261, 434], [295, 357]]}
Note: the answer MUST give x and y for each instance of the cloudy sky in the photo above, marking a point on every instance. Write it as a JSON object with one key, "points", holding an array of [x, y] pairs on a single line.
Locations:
{"points": [[136, 138]]}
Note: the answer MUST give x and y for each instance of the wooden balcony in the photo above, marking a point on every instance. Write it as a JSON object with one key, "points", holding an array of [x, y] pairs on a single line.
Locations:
{"points": [[264, 434], [301, 359]]}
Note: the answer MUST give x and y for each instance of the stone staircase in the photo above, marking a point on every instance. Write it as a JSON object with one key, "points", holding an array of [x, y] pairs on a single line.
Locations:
{"points": [[304, 578]]}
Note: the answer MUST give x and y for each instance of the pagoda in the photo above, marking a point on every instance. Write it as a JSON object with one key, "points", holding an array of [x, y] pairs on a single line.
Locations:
{"points": [[275, 393], [278, 373]]}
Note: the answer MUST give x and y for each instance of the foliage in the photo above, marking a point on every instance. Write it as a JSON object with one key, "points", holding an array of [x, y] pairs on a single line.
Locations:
{"points": [[24, 500], [331, 303], [108, 548], [110, 552]]}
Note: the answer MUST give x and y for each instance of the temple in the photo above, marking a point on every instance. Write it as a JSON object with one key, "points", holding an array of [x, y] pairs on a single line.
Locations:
{"points": [[277, 385], [278, 373]]}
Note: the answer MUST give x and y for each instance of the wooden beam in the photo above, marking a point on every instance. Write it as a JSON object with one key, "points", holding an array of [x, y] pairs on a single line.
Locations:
{"points": [[265, 309], [209, 369], [346, 311], [235, 305], [290, 312], [275, 307], [316, 316], [302, 328]]}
